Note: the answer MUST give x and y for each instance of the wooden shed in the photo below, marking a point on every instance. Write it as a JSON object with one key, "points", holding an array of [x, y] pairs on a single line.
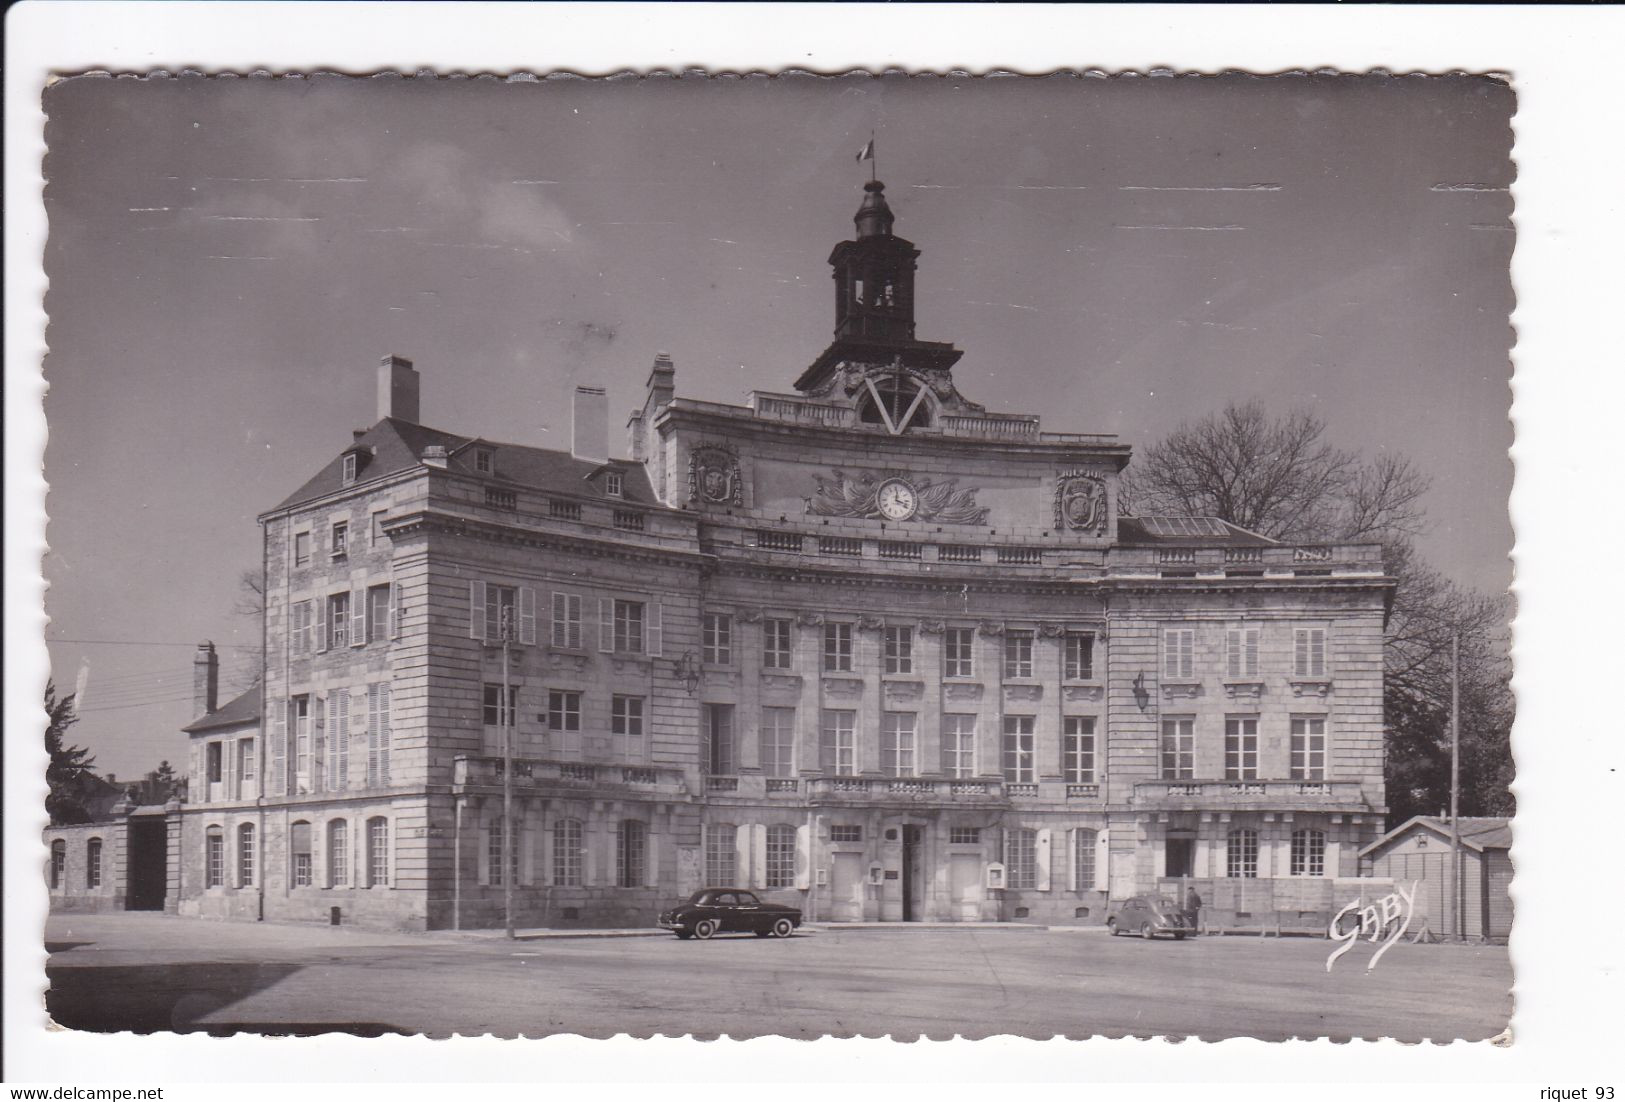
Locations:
{"points": [[1420, 850]]}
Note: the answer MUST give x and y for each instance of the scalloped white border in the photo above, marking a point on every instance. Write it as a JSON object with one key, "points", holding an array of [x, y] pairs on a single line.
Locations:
{"points": [[1571, 168]]}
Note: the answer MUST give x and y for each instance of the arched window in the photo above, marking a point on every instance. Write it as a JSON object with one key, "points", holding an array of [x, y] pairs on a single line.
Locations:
{"points": [[59, 862], [1083, 859], [93, 863], [631, 853], [721, 854], [245, 855], [1308, 853], [567, 853], [378, 852], [300, 859], [1241, 854], [781, 856], [214, 858], [338, 854]]}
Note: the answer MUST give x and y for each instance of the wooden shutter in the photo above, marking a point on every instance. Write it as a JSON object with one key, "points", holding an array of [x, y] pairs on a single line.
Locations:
{"points": [[395, 602], [1041, 857], [1170, 653], [322, 634], [1072, 859], [828, 738], [527, 615], [742, 862], [1102, 856], [803, 857], [758, 855], [606, 624], [385, 734], [278, 783], [317, 717], [1232, 653], [561, 628], [654, 629], [527, 851], [485, 853], [476, 610], [331, 759], [1317, 652], [344, 738], [358, 617], [372, 735]]}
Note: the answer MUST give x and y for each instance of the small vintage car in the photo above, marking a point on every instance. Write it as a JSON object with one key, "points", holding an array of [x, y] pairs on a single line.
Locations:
{"points": [[712, 911], [1148, 916]]}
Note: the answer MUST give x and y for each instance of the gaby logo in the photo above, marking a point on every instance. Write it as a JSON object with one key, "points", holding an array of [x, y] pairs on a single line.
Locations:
{"points": [[1393, 912]]}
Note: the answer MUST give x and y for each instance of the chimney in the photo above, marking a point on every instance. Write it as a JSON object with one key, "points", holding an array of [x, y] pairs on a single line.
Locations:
{"points": [[590, 425], [662, 385], [205, 680], [397, 389], [634, 435], [434, 455]]}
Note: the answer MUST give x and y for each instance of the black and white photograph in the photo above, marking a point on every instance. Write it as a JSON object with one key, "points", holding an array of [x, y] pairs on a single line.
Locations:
{"points": [[704, 553]]}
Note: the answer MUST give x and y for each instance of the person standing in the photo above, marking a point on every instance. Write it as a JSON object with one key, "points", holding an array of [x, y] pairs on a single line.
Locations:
{"points": [[1193, 909]]}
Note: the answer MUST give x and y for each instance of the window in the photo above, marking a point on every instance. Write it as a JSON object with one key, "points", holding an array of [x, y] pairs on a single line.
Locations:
{"points": [[500, 614], [338, 739], [245, 759], [631, 843], [341, 539], [897, 744], [845, 832], [719, 739], [838, 648], [567, 620], [1018, 653], [1309, 652], [1021, 858], [626, 724], [299, 855], [301, 742], [781, 856], [214, 858], [494, 845], [1241, 748], [378, 734], [1078, 749], [628, 627], [957, 646], [301, 549], [716, 634], [338, 854], [93, 863], [376, 532], [1308, 853], [1018, 750], [959, 746], [899, 650], [377, 613], [1078, 656], [299, 627], [567, 853], [563, 710], [482, 461], [245, 855], [378, 852], [778, 740], [349, 468], [59, 862], [1308, 748], [498, 708], [964, 836], [776, 644], [1241, 652], [1083, 859], [612, 484], [721, 854], [837, 743], [1241, 854], [338, 619], [1178, 749], [214, 754], [1178, 652]]}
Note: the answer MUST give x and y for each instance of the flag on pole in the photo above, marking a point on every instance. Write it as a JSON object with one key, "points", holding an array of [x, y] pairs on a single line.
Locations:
{"points": [[867, 153]]}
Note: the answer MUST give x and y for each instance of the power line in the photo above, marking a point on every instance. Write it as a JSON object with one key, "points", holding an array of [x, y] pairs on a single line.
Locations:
{"points": [[146, 643], [125, 707]]}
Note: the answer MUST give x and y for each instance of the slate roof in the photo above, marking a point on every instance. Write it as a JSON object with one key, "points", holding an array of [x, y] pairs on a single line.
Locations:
{"points": [[1477, 832], [235, 713], [393, 445], [1185, 531]]}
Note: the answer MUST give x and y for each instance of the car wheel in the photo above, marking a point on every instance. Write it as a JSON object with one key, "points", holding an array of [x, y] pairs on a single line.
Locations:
{"points": [[783, 927], [1111, 927], [684, 935], [704, 928], [1146, 931], [1179, 936]]}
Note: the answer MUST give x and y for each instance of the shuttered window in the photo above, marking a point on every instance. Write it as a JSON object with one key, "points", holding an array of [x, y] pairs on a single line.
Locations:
{"points": [[1309, 652], [338, 739], [378, 734], [566, 620], [1241, 652], [1178, 652]]}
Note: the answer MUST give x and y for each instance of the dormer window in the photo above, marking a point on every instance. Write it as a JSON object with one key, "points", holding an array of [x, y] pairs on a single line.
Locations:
{"points": [[349, 469], [484, 460], [612, 484]]}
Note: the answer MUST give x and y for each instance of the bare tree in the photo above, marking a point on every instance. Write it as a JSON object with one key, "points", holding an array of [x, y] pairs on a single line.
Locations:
{"points": [[250, 604]]}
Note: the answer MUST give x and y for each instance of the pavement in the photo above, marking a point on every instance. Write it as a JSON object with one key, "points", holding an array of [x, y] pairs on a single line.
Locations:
{"points": [[156, 973], [541, 934]]}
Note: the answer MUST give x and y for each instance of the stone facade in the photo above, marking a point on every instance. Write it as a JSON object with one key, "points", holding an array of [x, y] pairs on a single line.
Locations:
{"points": [[866, 648]]}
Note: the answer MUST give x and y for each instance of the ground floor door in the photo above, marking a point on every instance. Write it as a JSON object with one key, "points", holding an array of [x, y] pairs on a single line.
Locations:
{"points": [[1181, 857], [965, 882], [846, 887], [913, 875], [147, 865]]}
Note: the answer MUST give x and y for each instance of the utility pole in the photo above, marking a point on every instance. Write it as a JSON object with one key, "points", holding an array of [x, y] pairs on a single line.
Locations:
{"points": [[1457, 925], [505, 713]]}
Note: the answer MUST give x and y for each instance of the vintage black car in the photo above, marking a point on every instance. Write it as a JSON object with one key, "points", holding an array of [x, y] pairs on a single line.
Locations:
{"points": [[712, 911], [1148, 916]]}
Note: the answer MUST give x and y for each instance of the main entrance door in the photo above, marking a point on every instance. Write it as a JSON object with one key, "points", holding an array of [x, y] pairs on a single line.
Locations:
{"points": [[846, 888], [1180, 856], [965, 878], [148, 865], [913, 874]]}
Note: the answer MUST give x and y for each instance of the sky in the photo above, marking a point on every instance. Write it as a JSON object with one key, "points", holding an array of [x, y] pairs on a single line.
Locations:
{"points": [[229, 257]]}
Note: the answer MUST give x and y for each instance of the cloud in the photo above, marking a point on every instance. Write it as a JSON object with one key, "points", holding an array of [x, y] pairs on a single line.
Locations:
{"points": [[453, 192]]}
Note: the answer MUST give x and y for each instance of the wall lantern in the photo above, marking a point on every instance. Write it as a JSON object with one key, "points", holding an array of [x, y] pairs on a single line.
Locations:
{"points": [[688, 670], [1141, 696]]}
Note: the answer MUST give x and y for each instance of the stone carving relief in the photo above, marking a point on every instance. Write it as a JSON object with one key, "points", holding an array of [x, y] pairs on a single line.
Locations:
{"points": [[867, 622], [842, 686], [901, 691], [858, 496], [1051, 631], [809, 619], [713, 476], [1026, 693], [1080, 502], [989, 627], [932, 627], [1077, 693], [778, 682], [575, 662], [962, 693]]}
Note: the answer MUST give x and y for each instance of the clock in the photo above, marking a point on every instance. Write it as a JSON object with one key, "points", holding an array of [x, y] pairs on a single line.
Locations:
{"points": [[896, 499]]}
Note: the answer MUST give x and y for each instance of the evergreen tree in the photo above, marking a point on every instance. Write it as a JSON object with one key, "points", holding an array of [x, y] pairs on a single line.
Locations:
{"points": [[70, 766]]}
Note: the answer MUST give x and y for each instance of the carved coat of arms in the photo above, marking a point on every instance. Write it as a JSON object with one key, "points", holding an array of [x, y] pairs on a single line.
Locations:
{"points": [[713, 476], [1080, 502], [869, 496]]}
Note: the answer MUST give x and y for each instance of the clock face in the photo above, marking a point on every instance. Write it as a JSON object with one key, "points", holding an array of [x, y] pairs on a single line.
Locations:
{"points": [[896, 499]]}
